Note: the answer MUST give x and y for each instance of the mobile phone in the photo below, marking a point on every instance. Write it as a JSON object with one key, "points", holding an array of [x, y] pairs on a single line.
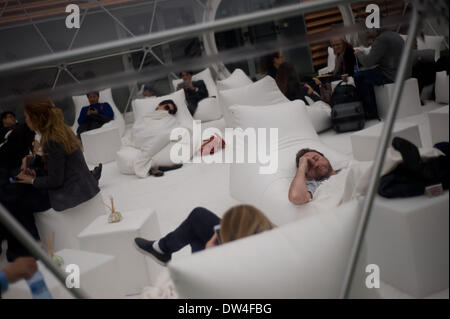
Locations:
{"points": [[217, 231]]}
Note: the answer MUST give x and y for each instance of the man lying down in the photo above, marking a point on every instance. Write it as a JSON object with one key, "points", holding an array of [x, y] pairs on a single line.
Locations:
{"points": [[150, 134]]}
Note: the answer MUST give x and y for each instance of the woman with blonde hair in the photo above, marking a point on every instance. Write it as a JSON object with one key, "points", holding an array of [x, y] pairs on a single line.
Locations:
{"points": [[63, 182], [198, 231]]}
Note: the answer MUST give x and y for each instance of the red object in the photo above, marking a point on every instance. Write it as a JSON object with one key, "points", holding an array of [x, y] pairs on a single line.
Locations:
{"points": [[210, 146]]}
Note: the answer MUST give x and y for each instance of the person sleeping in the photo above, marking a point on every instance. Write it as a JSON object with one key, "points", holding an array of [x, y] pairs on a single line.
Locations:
{"points": [[150, 134]]}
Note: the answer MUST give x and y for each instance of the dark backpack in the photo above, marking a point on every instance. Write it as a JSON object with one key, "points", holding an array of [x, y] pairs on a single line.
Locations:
{"points": [[344, 93]]}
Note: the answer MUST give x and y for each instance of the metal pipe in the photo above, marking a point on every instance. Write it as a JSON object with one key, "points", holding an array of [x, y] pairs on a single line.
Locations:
{"points": [[381, 152], [26, 240], [185, 32]]}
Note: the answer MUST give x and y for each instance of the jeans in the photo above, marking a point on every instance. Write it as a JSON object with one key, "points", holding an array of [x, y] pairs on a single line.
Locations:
{"points": [[365, 82], [196, 230]]}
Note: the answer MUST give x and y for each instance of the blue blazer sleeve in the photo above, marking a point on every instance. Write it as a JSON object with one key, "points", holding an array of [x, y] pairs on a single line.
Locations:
{"points": [[55, 159], [83, 115], [107, 110]]}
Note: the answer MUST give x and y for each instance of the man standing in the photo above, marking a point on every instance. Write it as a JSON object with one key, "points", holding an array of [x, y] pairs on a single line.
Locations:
{"points": [[383, 61], [194, 91], [94, 115], [312, 169]]}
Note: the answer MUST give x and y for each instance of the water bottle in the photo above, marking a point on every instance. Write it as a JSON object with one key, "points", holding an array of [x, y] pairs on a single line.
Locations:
{"points": [[38, 287]]}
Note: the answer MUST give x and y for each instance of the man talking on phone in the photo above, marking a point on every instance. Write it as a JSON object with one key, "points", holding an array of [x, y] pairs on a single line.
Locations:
{"points": [[195, 91], [94, 115]]}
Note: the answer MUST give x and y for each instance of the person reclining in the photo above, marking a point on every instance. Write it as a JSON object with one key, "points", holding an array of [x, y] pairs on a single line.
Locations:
{"points": [[312, 169], [197, 230], [94, 115], [150, 134], [195, 91]]}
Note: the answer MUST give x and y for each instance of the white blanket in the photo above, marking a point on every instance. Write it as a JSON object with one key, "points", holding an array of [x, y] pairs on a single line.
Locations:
{"points": [[150, 134]]}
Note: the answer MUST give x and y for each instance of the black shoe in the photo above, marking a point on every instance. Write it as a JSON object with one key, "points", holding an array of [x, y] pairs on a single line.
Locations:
{"points": [[156, 172], [97, 171], [170, 168], [146, 247]]}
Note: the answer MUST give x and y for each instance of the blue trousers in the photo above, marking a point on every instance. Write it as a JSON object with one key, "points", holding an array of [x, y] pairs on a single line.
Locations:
{"points": [[365, 81], [196, 230]]}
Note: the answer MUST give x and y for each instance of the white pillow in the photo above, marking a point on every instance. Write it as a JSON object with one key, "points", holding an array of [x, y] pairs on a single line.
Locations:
{"points": [[208, 110], [125, 158], [105, 96], [305, 259], [320, 114], [262, 92], [206, 76], [237, 79], [142, 106], [295, 131], [431, 42], [441, 87]]}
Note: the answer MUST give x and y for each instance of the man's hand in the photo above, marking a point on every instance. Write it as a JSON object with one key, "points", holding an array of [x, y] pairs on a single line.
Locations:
{"points": [[190, 86], [92, 111], [212, 242], [357, 51], [304, 164], [21, 268], [317, 81]]}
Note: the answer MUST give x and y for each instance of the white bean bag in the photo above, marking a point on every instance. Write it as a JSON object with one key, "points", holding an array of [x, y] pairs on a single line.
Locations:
{"points": [[141, 106], [237, 79], [295, 131], [206, 76], [266, 92], [105, 96], [262, 92], [441, 87], [305, 259], [431, 42], [208, 110]]}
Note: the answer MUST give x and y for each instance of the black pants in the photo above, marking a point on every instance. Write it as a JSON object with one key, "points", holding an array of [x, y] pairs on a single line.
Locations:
{"points": [[92, 122], [22, 201], [195, 231]]}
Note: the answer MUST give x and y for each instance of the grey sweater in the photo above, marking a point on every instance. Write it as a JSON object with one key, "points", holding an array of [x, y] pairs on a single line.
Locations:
{"points": [[385, 52]]}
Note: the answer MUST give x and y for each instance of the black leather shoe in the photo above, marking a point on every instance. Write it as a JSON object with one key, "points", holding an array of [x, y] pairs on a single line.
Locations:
{"points": [[170, 168], [156, 172], [146, 247], [97, 171]]}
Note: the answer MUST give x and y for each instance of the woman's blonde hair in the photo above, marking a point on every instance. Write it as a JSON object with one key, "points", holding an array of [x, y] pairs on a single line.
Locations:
{"points": [[48, 120], [242, 221]]}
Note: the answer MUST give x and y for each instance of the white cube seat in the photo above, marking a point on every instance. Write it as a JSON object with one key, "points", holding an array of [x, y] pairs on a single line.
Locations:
{"points": [[101, 145], [98, 274], [69, 223], [409, 240], [365, 142], [439, 125], [409, 103], [117, 239]]}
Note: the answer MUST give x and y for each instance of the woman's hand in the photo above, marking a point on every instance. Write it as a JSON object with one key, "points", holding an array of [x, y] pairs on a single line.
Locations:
{"points": [[26, 161], [36, 146], [310, 89], [317, 81], [26, 176], [212, 242]]}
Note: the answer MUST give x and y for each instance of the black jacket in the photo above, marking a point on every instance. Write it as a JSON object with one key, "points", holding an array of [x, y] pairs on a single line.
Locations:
{"points": [[296, 91], [194, 96], [17, 145], [69, 181]]}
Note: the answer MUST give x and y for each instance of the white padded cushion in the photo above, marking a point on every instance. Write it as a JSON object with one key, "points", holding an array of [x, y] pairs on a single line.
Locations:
{"points": [[320, 114], [262, 92], [237, 79], [125, 159], [142, 106], [441, 87], [206, 76], [290, 118], [431, 42], [295, 131], [306, 259], [208, 110], [105, 96]]}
